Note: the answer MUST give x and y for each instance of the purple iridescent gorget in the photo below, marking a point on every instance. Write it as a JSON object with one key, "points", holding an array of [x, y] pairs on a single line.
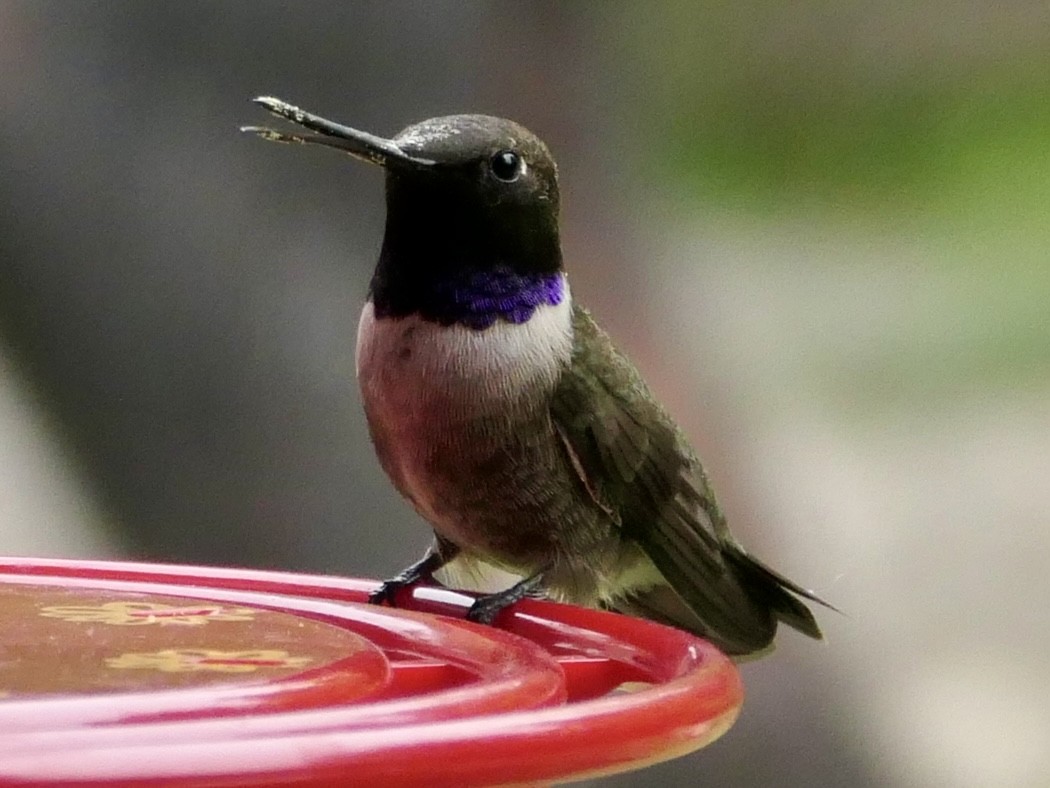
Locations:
{"points": [[478, 299]]}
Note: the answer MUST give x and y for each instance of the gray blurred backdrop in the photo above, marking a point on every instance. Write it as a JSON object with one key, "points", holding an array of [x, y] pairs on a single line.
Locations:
{"points": [[820, 229]]}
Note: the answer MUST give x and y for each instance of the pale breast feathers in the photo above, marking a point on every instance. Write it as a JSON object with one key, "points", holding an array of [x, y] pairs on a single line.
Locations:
{"points": [[409, 358]]}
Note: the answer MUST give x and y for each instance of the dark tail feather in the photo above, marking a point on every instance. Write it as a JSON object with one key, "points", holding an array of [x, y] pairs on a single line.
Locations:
{"points": [[739, 614], [779, 593]]}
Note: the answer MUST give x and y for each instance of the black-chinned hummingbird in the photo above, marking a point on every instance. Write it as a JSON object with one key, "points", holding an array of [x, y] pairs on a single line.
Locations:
{"points": [[509, 419]]}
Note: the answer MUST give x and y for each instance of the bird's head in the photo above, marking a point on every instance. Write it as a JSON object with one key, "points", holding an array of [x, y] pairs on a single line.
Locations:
{"points": [[464, 192]]}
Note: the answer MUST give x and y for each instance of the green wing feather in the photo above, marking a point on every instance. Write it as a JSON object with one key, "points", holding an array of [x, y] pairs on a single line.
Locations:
{"points": [[636, 464]]}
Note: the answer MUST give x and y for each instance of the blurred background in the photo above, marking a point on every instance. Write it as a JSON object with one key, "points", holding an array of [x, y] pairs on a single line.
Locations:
{"points": [[820, 229]]}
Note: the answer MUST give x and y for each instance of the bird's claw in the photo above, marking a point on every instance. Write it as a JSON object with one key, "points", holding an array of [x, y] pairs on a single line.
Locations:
{"points": [[421, 570], [486, 608], [387, 592]]}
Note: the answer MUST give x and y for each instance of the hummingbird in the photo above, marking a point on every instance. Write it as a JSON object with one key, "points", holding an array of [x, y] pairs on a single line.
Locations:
{"points": [[509, 419]]}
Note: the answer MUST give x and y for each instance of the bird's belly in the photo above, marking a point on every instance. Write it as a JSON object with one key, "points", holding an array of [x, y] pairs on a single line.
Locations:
{"points": [[483, 489], [460, 423]]}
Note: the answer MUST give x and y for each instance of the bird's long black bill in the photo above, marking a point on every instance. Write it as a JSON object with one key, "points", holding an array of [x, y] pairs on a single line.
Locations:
{"points": [[359, 144]]}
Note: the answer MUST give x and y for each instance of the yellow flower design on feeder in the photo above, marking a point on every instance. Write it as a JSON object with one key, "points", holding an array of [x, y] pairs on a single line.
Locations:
{"points": [[195, 660], [144, 613]]}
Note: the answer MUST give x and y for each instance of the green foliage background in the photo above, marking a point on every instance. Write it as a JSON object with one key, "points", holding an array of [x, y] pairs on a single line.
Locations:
{"points": [[929, 124]]}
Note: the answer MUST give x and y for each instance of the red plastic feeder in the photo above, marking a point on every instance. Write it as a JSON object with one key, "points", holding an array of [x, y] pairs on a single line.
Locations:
{"points": [[141, 674]]}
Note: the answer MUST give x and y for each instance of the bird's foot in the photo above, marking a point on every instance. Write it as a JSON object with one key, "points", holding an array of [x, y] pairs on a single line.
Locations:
{"points": [[486, 608], [387, 592], [422, 569]]}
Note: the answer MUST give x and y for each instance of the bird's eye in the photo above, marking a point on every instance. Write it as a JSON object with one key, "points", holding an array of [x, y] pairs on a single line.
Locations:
{"points": [[506, 165]]}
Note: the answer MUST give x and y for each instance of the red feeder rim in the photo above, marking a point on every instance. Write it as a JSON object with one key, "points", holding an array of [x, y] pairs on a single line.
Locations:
{"points": [[142, 674]]}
